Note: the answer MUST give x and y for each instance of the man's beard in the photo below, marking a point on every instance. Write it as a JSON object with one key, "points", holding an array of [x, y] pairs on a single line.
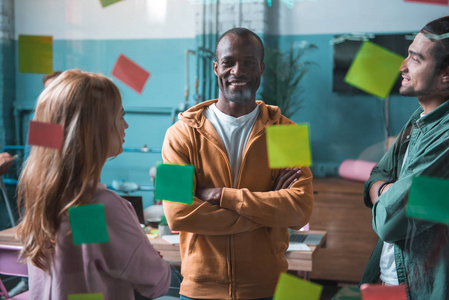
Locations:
{"points": [[239, 97]]}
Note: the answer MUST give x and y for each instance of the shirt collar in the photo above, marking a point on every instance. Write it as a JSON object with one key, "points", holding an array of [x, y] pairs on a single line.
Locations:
{"points": [[432, 118]]}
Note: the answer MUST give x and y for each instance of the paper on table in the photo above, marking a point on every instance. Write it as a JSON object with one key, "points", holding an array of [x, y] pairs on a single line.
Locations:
{"points": [[298, 247], [172, 238]]}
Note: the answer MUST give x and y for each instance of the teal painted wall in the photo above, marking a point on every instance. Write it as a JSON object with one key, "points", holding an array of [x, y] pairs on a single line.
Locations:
{"points": [[342, 126], [163, 58]]}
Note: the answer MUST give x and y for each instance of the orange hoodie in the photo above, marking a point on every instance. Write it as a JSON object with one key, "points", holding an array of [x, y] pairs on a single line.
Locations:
{"points": [[235, 250]]}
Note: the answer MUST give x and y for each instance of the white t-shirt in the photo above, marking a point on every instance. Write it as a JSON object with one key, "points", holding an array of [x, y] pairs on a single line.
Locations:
{"points": [[387, 263], [233, 132]]}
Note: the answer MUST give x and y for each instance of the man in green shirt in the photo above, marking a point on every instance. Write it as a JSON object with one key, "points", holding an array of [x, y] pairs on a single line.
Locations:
{"points": [[411, 251]]}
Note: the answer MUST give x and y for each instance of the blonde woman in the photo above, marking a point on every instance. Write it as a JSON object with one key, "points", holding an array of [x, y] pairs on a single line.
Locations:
{"points": [[89, 108]]}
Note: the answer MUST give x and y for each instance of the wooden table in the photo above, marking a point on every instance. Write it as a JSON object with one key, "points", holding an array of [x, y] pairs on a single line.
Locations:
{"points": [[8, 239], [300, 261]]}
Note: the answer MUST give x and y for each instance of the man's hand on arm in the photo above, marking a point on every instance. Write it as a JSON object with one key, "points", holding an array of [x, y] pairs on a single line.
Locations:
{"points": [[6, 161], [374, 190], [287, 178], [211, 195]]}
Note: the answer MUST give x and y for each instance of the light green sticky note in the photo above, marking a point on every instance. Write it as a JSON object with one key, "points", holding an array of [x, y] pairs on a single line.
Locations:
{"points": [[290, 287], [88, 223], [35, 54], [96, 296], [374, 69], [175, 183], [288, 146], [105, 3], [427, 199]]}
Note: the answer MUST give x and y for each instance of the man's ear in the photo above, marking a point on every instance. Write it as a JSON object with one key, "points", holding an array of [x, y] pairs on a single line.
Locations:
{"points": [[262, 67], [215, 66], [445, 76]]}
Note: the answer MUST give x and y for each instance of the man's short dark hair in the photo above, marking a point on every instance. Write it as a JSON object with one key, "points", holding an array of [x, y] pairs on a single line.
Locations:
{"points": [[50, 76], [440, 51], [241, 32]]}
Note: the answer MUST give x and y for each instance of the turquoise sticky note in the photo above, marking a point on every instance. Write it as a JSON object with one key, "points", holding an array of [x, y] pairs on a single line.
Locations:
{"points": [[374, 70], [288, 146], [96, 296], [290, 287], [175, 183], [88, 223], [427, 199], [35, 54]]}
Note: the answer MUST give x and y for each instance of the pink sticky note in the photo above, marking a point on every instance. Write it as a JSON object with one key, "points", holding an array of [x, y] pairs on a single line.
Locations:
{"points": [[440, 2], [384, 292], [45, 135], [130, 73]]}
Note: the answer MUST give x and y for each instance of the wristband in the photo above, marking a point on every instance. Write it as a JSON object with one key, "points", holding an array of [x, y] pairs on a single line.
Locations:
{"points": [[381, 187]]}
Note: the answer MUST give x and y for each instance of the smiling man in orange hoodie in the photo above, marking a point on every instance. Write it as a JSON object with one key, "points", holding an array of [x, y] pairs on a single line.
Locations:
{"points": [[235, 234]]}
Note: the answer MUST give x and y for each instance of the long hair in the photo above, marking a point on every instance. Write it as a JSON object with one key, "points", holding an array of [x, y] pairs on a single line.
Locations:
{"points": [[85, 104]]}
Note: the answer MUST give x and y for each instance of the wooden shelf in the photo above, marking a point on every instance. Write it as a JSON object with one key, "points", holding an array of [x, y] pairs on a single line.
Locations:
{"points": [[339, 210]]}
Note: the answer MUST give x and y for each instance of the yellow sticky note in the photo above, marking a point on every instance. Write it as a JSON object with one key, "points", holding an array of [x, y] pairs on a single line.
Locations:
{"points": [[35, 54], [288, 146], [96, 296], [105, 3], [374, 69], [290, 287]]}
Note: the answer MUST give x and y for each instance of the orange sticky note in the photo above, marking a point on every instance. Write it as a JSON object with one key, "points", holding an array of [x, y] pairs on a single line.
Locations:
{"points": [[384, 292], [45, 135], [130, 73]]}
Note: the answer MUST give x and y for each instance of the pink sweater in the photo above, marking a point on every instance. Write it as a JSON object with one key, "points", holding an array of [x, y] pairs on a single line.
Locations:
{"points": [[114, 269]]}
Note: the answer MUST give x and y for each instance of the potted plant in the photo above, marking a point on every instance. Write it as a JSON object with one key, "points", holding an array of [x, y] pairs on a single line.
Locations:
{"points": [[281, 85]]}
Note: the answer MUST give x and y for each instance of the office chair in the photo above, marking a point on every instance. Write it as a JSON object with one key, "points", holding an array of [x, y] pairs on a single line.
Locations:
{"points": [[9, 265]]}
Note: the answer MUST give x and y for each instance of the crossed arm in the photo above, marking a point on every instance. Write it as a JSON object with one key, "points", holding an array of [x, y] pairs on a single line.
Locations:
{"points": [[207, 214], [389, 210], [284, 181]]}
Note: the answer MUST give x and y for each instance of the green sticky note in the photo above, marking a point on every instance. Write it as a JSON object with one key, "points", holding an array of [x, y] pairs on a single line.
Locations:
{"points": [[290, 287], [35, 54], [374, 69], [88, 223], [175, 183], [105, 3], [427, 199], [288, 146], [97, 296]]}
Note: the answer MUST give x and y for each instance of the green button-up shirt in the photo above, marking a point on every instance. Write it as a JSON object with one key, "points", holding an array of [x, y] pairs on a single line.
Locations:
{"points": [[421, 248]]}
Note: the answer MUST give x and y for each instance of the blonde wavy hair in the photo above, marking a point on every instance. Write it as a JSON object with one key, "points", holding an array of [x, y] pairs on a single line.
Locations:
{"points": [[86, 105]]}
